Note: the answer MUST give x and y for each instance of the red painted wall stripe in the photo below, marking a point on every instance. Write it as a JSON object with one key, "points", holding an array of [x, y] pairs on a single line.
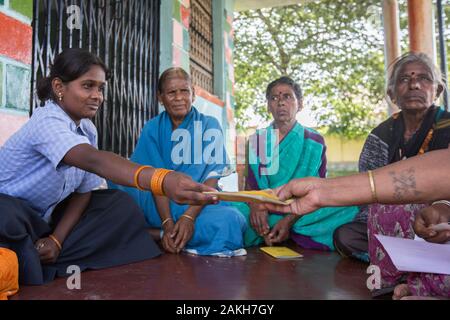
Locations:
{"points": [[15, 39], [199, 91]]}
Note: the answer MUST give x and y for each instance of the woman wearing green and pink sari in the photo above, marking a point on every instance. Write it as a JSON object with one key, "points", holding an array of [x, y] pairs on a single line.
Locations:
{"points": [[275, 155]]}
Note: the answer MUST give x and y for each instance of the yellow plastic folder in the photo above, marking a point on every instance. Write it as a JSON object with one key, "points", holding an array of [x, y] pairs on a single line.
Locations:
{"points": [[261, 196], [281, 252]]}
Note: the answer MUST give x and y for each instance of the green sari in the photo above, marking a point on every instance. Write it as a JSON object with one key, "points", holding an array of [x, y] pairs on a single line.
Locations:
{"points": [[300, 154]]}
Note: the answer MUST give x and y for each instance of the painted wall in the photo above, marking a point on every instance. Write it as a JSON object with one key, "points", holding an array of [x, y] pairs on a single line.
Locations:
{"points": [[15, 64], [16, 55], [175, 45], [343, 154], [224, 68]]}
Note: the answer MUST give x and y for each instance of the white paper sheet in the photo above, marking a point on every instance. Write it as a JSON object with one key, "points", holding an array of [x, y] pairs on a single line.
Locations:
{"points": [[417, 256]]}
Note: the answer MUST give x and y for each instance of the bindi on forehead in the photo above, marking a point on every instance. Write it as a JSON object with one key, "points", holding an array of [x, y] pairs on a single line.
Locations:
{"points": [[415, 73]]}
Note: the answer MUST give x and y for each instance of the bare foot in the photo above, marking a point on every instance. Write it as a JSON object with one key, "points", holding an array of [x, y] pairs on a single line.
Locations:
{"points": [[155, 233], [401, 291], [420, 298]]}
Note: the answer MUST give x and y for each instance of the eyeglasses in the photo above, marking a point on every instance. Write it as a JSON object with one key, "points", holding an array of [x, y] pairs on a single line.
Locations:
{"points": [[284, 97]]}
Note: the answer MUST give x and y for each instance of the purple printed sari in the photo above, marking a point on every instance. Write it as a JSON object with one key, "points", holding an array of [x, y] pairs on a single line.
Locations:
{"points": [[397, 221]]}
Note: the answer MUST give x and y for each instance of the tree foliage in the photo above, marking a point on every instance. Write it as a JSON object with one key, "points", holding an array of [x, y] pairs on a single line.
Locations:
{"points": [[333, 48]]}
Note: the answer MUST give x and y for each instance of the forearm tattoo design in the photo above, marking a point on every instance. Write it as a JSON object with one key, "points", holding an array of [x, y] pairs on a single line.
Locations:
{"points": [[404, 184]]}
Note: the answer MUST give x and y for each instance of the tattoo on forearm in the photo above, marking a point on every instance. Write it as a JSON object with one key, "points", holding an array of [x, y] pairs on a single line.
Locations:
{"points": [[404, 184]]}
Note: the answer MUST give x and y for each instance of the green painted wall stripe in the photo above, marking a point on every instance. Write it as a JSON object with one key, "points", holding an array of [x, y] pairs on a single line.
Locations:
{"points": [[17, 88], [185, 60], [186, 40], [218, 48], [176, 10], [24, 7], [166, 35]]}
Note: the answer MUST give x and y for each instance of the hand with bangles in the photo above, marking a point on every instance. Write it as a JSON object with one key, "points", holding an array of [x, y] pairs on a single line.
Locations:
{"points": [[167, 240], [182, 189], [48, 248], [183, 231], [176, 235]]}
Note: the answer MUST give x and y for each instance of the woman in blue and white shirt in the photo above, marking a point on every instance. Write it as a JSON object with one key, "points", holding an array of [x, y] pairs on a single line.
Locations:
{"points": [[50, 214]]}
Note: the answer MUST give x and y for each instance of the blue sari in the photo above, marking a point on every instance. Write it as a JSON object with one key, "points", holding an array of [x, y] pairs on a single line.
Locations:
{"points": [[195, 148]]}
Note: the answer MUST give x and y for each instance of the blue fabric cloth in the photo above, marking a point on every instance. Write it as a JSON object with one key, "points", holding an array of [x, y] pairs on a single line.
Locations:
{"points": [[31, 167], [195, 148]]}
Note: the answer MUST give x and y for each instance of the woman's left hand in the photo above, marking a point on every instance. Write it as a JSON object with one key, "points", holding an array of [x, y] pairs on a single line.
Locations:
{"points": [[182, 232], [279, 232], [167, 239], [47, 249], [432, 215]]}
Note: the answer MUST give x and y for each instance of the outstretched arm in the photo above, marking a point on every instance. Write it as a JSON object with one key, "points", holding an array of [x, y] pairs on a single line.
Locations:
{"points": [[111, 166], [416, 180]]}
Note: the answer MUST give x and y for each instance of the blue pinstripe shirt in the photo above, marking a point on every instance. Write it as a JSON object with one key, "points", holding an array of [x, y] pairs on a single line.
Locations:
{"points": [[30, 161]]}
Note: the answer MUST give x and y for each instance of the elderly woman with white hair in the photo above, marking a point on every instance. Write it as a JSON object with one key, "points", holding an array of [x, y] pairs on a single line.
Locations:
{"points": [[421, 126]]}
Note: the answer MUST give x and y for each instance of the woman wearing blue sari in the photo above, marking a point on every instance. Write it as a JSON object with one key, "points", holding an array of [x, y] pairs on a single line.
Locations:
{"points": [[277, 154], [185, 140]]}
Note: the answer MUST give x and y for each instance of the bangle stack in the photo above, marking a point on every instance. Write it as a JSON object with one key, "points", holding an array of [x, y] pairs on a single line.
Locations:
{"points": [[156, 182]]}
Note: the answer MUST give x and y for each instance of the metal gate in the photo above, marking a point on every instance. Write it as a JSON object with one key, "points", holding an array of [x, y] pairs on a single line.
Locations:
{"points": [[125, 34]]}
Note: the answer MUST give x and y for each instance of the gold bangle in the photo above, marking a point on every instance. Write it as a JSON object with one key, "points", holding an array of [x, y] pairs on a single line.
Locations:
{"points": [[56, 241], [136, 177], [188, 217], [446, 202], [165, 221], [372, 187]]}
